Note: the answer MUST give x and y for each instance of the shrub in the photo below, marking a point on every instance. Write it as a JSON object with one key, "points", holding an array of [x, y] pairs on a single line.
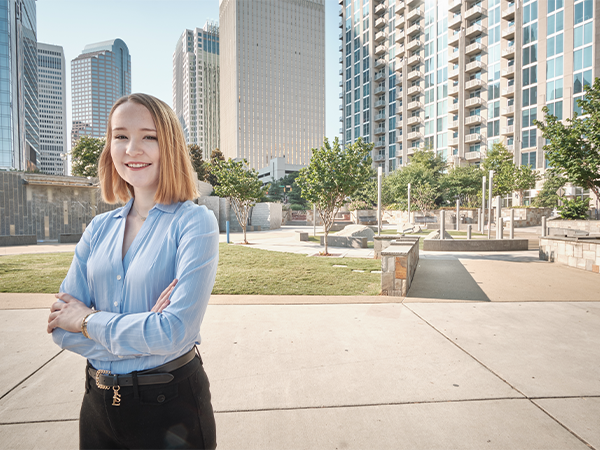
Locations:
{"points": [[575, 209], [297, 207], [358, 204]]}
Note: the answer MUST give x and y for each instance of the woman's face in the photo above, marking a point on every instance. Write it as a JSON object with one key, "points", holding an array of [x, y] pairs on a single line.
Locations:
{"points": [[134, 147]]}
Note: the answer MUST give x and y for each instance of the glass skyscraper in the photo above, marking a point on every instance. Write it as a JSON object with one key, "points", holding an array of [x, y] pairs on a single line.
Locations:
{"points": [[196, 86], [456, 76], [99, 76], [19, 115]]}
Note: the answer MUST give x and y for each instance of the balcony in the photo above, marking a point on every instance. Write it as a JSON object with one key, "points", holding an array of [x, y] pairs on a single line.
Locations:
{"points": [[341, 35], [380, 9], [341, 118], [414, 75], [509, 111], [508, 13], [509, 52], [414, 135], [471, 156], [341, 72], [341, 47], [379, 156], [473, 120], [380, 50], [455, 22], [341, 96], [454, 5], [380, 63], [453, 90], [453, 108], [510, 147], [399, 125], [414, 105], [341, 60], [413, 3], [380, 144], [473, 138], [341, 83], [380, 76], [400, 49], [453, 56], [380, 104], [380, 36], [399, 79], [414, 59], [414, 44], [509, 91], [400, 22], [474, 66], [341, 12], [475, 84], [381, 22], [415, 120], [475, 47], [453, 74], [414, 15], [340, 2], [453, 39], [380, 117], [400, 7], [399, 97], [380, 90], [415, 90], [341, 24], [453, 141], [509, 32], [473, 101], [453, 124], [414, 30], [474, 12], [509, 72], [508, 130], [474, 30], [379, 130], [399, 37]]}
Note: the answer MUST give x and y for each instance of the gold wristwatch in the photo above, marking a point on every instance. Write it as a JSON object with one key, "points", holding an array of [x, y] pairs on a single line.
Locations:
{"points": [[84, 323]]}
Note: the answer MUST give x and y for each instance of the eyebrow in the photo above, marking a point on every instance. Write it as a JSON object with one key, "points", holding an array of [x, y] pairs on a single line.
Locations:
{"points": [[142, 129]]}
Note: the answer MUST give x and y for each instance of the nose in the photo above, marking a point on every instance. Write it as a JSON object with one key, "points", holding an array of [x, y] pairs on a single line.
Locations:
{"points": [[134, 147]]}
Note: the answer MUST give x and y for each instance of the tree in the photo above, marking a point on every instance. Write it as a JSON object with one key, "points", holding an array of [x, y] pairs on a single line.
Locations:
{"points": [[548, 197], [215, 157], [197, 161], [463, 183], [395, 185], [85, 156], [524, 179], [573, 147], [241, 185], [286, 189], [332, 175], [424, 196], [430, 160], [500, 160]]}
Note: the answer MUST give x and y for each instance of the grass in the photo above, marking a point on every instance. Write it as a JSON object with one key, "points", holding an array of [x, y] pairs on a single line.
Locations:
{"points": [[242, 270]]}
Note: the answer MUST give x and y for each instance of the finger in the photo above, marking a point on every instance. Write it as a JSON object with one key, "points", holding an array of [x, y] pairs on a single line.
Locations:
{"points": [[53, 316], [56, 306], [164, 306], [51, 326]]}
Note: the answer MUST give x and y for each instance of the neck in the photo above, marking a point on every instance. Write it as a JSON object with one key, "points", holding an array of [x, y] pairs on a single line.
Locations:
{"points": [[144, 203]]}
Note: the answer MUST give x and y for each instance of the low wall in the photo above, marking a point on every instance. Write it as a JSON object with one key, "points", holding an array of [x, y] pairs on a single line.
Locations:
{"points": [[591, 226], [345, 241], [581, 253], [69, 238], [380, 243], [526, 217], [399, 263], [24, 239], [263, 216], [364, 217], [475, 245]]}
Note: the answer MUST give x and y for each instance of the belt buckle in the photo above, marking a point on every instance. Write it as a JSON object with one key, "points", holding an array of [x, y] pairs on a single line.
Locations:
{"points": [[98, 373]]}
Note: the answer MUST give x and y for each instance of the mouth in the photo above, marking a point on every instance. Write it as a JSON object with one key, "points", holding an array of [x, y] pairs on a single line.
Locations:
{"points": [[137, 165]]}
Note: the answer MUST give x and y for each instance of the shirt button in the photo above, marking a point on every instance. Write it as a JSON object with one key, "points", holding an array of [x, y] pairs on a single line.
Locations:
{"points": [[118, 277], [116, 303]]}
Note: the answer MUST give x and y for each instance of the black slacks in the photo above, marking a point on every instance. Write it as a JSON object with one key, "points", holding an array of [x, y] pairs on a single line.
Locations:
{"points": [[178, 414]]}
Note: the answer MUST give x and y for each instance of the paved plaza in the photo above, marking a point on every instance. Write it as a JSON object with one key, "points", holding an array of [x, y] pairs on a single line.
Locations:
{"points": [[488, 351]]}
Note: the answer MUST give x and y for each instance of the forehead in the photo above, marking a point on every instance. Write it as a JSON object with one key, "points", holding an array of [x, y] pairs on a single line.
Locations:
{"points": [[132, 115]]}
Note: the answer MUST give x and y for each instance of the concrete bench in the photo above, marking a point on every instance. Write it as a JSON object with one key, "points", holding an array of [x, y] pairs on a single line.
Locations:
{"points": [[69, 238], [345, 241], [302, 235], [382, 242], [24, 239], [566, 232]]}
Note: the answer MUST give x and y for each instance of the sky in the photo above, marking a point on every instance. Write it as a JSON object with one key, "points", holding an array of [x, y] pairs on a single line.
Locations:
{"points": [[151, 28]]}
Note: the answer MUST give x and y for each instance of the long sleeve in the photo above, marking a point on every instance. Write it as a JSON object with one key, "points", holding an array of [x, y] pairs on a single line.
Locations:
{"points": [[177, 327]]}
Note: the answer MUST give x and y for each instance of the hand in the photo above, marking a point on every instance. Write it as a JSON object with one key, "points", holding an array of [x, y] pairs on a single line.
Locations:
{"points": [[163, 301], [67, 314]]}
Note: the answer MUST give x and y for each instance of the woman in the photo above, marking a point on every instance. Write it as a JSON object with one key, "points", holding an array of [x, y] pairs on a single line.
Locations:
{"points": [[137, 290]]}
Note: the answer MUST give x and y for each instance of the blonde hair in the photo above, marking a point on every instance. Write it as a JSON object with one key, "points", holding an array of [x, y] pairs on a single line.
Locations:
{"points": [[176, 177]]}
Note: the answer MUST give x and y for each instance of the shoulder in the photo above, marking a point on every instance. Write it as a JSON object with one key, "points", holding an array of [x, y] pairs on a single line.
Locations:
{"points": [[199, 217]]}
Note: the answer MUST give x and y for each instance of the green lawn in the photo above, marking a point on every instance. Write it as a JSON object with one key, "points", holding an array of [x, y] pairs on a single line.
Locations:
{"points": [[242, 270]]}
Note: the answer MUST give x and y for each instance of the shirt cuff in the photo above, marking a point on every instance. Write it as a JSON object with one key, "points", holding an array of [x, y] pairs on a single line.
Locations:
{"points": [[98, 324]]}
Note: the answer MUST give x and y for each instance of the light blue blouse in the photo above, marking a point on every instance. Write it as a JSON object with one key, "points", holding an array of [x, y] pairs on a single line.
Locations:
{"points": [[180, 240]]}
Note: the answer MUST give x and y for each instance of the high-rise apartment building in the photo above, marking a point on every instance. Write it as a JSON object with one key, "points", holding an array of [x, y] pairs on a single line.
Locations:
{"points": [[52, 109], [99, 76], [19, 116], [456, 76], [196, 86], [273, 79]]}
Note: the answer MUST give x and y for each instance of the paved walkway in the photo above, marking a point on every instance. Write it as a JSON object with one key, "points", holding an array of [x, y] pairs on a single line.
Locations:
{"points": [[489, 350]]}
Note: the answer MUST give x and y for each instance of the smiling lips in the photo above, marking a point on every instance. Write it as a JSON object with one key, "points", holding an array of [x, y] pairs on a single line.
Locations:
{"points": [[137, 165]]}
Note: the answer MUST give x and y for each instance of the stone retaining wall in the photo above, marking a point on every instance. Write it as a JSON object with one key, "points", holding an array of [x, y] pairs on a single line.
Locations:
{"points": [[398, 266], [382, 242], [580, 253], [345, 241], [526, 217], [591, 226]]}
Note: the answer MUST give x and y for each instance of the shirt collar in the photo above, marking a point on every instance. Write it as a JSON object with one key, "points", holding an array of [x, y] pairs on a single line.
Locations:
{"points": [[170, 209]]}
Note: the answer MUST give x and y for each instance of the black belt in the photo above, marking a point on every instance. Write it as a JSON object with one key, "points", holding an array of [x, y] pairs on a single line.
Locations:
{"points": [[158, 375]]}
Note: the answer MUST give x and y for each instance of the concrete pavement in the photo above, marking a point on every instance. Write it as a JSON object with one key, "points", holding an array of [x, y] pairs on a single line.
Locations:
{"points": [[495, 351]]}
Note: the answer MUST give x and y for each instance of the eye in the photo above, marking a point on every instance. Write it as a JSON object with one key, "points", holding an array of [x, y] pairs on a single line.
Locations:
{"points": [[152, 138], [119, 136]]}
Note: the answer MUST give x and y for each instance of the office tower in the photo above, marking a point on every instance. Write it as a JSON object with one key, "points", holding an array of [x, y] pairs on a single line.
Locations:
{"points": [[273, 79], [19, 119], [196, 86], [52, 109], [456, 76], [99, 76]]}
